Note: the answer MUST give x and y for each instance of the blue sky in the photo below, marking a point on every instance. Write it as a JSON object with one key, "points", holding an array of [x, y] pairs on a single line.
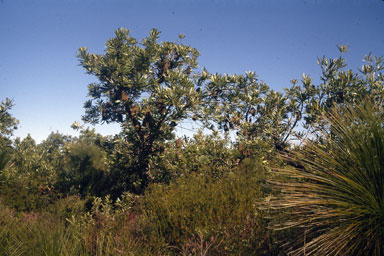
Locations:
{"points": [[278, 39]]}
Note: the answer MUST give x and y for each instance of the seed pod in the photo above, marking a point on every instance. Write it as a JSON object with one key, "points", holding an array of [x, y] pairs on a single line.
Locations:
{"points": [[104, 114], [166, 66], [124, 96], [246, 152], [179, 143], [134, 110]]}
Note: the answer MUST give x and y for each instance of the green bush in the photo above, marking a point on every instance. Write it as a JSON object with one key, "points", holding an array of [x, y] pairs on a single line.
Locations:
{"points": [[83, 171], [200, 215], [26, 182], [209, 155], [109, 228]]}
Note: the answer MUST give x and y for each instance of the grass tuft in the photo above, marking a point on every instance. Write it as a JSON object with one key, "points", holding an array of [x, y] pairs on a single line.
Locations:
{"points": [[337, 195]]}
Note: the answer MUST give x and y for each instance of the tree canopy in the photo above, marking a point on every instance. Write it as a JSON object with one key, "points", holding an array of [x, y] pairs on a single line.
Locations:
{"points": [[146, 87]]}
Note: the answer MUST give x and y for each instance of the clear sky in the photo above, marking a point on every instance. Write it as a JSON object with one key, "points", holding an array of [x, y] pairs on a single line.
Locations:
{"points": [[278, 39]]}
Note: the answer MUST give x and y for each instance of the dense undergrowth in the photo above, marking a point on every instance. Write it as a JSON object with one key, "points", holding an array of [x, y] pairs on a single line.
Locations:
{"points": [[221, 204], [195, 214], [241, 189], [301, 202]]}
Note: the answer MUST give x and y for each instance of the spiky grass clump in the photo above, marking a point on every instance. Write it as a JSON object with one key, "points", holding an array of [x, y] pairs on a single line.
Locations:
{"points": [[337, 196]]}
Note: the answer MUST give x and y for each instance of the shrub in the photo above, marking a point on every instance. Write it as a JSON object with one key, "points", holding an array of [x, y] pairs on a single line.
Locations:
{"points": [[109, 228], [83, 172], [199, 214], [209, 155]]}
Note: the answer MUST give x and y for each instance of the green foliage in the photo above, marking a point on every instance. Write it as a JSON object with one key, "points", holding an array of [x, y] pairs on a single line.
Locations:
{"points": [[83, 170], [121, 175], [6, 152], [42, 160], [7, 125], [7, 122], [109, 228], [200, 195], [339, 86], [102, 231], [147, 88], [28, 180], [241, 103], [197, 213], [338, 194], [35, 234], [208, 155]]}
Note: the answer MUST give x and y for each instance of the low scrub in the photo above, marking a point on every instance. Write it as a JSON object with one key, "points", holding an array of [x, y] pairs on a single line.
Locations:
{"points": [[197, 215]]}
